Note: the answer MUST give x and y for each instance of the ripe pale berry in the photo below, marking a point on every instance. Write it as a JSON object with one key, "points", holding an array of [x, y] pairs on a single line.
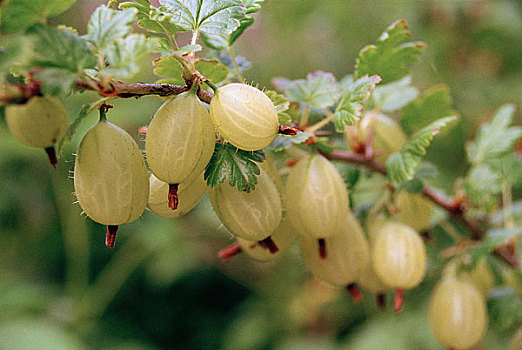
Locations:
{"points": [[244, 116]]}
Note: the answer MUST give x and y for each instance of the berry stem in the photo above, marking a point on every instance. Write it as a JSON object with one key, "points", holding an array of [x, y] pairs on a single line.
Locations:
{"points": [[173, 196], [322, 248], [380, 300], [269, 244], [398, 300], [111, 235], [355, 293], [51, 153], [227, 253]]}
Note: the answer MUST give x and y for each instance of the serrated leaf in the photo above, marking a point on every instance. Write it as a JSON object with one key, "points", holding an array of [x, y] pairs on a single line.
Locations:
{"points": [[189, 48], [151, 18], [207, 16], [56, 81], [426, 170], [60, 48], [402, 165], [495, 138], [18, 15], [169, 68], [281, 105], [391, 56], [212, 70], [435, 103], [319, 90], [236, 166], [125, 53], [15, 50], [282, 142], [107, 25], [350, 107], [395, 95], [482, 186], [492, 239], [71, 131], [219, 42]]}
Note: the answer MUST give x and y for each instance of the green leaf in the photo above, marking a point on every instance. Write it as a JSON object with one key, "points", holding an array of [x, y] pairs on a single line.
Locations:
{"points": [[402, 165], [434, 104], [219, 42], [125, 54], [15, 50], [482, 186], [350, 108], [319, 89], [282, 142], [212, 70], [281, 105], [151, 18], [391, 56], [170, 68], [495, 138], [207, 16], [18, 15], [189, 48], [56, 81], [395, 95], [236, 166], [71, 131], [492, 239], [60, 48], [426, 170], [107, 25]]}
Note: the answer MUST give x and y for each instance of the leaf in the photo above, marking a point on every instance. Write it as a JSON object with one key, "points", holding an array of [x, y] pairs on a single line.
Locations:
{"points": [[107, 25], [15, 50], [212, 70], [71, 131], [402, 165], [492, 239], [18, 15], [189, 48], [319, 89], [219, 42], [350, 108], [170, 68], [60, 48], [391, 56], [395, 95], [435, 103], [125, 54], [281, 105], [207, 16], [236, 166], [282, 142], [482, 186], [425, 171], [495, 138], [56, 81], [151, 18]]}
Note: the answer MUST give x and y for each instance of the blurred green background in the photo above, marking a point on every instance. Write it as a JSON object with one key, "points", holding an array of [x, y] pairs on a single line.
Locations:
{"points": [[163, 287]]}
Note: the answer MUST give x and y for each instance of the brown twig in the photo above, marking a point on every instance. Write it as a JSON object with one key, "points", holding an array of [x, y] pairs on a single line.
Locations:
{"points": [[453, 207]]}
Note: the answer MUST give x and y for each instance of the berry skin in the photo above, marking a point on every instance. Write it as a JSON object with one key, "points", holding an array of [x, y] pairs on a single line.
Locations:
{"points": [[110, 177], [399, 256], [189, 193], [39, 123], [180, 139], [348, 254], [415, 210], [316, 197], [244, 116], [270, 169], [457, 314], [253, 215], [283, 238], [481, 277]]}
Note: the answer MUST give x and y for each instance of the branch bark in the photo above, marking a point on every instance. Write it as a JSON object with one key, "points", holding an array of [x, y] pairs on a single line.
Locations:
{"points": [[453, 208]]}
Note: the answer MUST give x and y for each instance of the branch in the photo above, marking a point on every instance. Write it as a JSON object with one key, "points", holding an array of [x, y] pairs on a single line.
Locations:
{"points": [[453, 207], [124, 90]]}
